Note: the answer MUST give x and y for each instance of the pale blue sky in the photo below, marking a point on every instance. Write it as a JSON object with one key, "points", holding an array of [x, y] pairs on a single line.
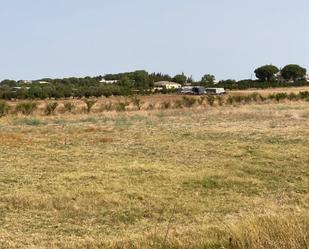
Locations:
{"points": [[227, 38]]}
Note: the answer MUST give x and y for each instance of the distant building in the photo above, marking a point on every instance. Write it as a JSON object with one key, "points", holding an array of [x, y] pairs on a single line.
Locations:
{"points": [[26, 81], [167, 85], [108, 81], [18, 88]]}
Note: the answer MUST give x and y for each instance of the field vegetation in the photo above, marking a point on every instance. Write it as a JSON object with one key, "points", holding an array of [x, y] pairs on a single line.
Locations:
{"points": [[138, 102], [156, 172]]}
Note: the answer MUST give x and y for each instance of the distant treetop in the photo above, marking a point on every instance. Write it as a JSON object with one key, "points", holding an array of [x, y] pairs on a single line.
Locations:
{"points": [[266, 73]]}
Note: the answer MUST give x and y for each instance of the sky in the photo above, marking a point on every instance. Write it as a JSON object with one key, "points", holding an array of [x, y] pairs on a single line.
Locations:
{"points": [[226, 38]]}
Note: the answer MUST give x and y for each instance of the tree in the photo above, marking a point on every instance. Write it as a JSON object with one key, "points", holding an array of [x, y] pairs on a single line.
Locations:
{"points": [[4, 108], [10, 83], [155, 77], [293, 72], [141, 79], [89, 104], [208, 79], [126, 82], [180, 78], [126, 85], [190, 79], [266, 73]]}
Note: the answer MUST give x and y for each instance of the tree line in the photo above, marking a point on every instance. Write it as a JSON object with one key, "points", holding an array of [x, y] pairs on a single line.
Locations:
{"points": [[142, 82]]}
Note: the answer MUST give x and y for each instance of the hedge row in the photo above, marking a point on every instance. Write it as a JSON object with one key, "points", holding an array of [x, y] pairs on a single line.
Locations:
{"points": [[29, 107]]}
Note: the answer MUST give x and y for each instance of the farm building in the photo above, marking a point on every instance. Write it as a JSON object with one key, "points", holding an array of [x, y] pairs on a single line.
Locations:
{"points": [[167, 85], [108, 81]]}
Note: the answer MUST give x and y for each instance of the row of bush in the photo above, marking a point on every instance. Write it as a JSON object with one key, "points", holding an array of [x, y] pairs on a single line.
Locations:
{"points": [[29, 107], [256, 84]]}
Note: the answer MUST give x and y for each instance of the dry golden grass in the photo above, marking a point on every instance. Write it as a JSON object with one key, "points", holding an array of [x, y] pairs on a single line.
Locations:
{"points": [[156, 179], [267, 91], [268, 231]]}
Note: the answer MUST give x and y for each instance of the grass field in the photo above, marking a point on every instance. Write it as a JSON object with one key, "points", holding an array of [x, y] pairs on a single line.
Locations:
{"points": [[185, 178]]}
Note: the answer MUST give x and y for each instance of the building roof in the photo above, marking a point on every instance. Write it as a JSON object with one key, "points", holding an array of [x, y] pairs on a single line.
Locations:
{"points": [[165, 83], [108, 81]]}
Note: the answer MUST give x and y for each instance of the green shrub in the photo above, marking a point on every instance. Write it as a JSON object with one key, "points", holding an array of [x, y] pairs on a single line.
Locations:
{"points": [[220, 100], [239, 98], [247, 98], [107, 107], [281, 96], [121, 106], [26, 108], [4, 108], [262, 98], [89, 104], [278, 96], [178, 104], [137, 102], [50, 108], [271, 96], [304, 95], [230, 100], [188, 101], [211, 100], [201, 100], [150, 107], [166, 105], [255, 97], [293, 96], [69, 107]]}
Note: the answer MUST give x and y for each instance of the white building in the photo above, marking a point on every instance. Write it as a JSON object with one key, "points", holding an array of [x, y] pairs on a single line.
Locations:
{"points": [[167, 85], [108, 81], [26, 81]]}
